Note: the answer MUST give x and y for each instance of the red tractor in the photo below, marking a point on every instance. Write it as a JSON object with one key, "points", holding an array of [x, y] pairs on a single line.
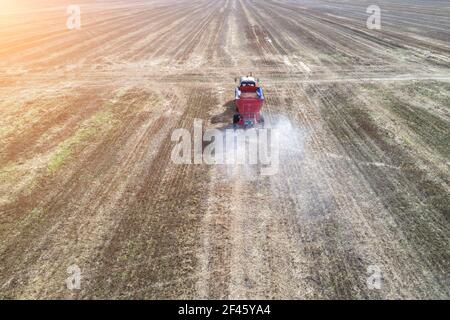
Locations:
{"points": [[249, 100]]}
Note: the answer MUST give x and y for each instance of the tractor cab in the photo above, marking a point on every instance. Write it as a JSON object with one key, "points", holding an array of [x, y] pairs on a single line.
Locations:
{"points": [[247, 82], [248, 86]]}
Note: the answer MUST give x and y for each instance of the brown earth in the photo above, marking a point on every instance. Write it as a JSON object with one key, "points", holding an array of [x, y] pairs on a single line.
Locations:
{"points": [[86, 175]]}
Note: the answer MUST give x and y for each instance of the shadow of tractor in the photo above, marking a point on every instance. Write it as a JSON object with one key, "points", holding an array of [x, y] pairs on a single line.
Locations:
{"points": [[226, 117]]}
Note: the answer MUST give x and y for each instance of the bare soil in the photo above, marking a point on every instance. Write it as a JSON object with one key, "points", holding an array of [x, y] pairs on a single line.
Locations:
{"points": [[86, 175]]}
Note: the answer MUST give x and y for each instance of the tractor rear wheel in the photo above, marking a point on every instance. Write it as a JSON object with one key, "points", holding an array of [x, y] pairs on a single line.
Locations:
{"points": [[236, 118]]}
